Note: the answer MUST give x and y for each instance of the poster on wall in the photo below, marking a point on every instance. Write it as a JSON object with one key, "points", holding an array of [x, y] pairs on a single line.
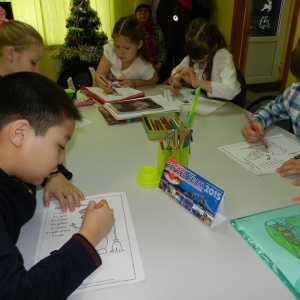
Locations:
{"points": [[265, 18]]}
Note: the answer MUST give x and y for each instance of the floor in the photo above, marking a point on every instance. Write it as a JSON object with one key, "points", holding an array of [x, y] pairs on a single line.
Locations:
{"points": [[252, 96]]}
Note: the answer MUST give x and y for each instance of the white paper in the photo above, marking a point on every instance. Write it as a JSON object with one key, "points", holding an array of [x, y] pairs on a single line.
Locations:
{"points": [[261, 160], [82, 123], [121, 262], [204, 106]]}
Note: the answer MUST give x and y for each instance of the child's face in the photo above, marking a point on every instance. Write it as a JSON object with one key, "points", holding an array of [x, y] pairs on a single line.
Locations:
{"points": [[40, 155], [27, 60], [125, 49]]}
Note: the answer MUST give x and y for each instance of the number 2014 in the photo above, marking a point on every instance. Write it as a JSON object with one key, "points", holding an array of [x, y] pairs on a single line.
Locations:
{"points": [[212, 192]]}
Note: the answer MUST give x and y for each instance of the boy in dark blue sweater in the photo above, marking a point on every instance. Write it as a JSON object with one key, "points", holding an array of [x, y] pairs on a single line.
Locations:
{"points": [[36, 121]]}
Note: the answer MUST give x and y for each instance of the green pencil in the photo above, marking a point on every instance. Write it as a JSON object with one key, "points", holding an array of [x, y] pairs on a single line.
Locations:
{"points": [[193, 107]]}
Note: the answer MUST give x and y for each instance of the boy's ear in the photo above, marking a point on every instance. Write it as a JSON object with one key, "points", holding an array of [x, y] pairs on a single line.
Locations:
{"points": [[9, 53], [140, 44], [18, 132]]}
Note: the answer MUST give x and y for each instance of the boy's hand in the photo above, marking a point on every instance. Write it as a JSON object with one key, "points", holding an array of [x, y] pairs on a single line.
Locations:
{"points": [[97, 222], [290, 167], [62, 189], [250, 134]]}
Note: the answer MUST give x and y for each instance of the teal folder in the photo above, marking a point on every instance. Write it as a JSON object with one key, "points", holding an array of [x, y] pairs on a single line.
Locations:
{"points": [[275, 236]]}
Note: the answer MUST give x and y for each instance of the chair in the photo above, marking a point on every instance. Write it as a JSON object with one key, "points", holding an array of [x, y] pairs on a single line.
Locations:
{"points": [[240, 99], [79, 73], [261, 101]]}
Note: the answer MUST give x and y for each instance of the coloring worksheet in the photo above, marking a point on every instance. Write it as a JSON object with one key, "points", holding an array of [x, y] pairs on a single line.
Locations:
{"points": [[204, 106], [121, 262], [261, 160]]}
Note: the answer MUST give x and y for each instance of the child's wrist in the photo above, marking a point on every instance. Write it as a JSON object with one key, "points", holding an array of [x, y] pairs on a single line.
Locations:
{"points": [[195, 83], [175, 80]]}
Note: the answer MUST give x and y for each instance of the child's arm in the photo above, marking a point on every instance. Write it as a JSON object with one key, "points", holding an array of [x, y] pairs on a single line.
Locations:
{"points": [[62, 189], [101, 74], [128, 82], [250, 134]]}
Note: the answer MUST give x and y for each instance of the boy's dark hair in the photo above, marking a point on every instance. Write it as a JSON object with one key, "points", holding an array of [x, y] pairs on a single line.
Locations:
{"points": [[295, 62], [35, 98], [131, 28], [203, 38]]}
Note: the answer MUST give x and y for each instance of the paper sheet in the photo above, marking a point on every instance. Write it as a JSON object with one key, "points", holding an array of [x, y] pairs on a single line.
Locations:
{"points": [[205, 105], [82, 123], [258, 159], [119, 251]]}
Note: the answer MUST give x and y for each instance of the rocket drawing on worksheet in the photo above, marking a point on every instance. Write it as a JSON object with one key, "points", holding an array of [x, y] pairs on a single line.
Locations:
{"points": [[102, 247]]}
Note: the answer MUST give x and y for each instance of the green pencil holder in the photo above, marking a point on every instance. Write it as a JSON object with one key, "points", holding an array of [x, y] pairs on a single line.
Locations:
{"points": [[181, 155]]}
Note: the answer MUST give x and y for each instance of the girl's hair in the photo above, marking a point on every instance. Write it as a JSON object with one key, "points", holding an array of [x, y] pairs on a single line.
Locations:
{"points": [[131, 28], [203, 38], [19, 35]]}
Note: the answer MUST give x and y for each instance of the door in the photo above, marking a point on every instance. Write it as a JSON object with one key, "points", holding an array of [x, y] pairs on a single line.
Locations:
{"points": [[267, 28]]}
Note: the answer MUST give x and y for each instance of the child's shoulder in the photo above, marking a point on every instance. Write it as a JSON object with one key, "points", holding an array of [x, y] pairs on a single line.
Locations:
{"points": [[223, 52]]}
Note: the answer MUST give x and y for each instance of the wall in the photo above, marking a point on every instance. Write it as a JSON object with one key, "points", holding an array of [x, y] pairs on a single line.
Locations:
{"points": [[222, 12]]}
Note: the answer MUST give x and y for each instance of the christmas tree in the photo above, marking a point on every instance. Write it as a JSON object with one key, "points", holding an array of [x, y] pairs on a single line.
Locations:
{"points": [[84, 41]]}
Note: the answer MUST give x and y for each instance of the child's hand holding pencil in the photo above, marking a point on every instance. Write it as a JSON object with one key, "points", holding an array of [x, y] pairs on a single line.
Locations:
{"points": [[253, 131], [97, 222]]}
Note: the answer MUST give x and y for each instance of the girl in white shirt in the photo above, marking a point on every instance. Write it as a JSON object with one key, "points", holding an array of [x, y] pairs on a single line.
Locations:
{"points": [[208, 64], [125, 59]]}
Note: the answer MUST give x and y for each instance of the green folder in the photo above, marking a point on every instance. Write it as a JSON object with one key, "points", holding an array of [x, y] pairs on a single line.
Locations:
{"points": [[275, 236]]}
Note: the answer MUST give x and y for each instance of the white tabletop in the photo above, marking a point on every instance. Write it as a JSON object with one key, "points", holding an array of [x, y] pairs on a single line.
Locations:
{"points": [[182, 258]]}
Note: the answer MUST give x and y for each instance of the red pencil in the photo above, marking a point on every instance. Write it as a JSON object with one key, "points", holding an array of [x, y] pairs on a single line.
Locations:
{"points": [[255, 128]]}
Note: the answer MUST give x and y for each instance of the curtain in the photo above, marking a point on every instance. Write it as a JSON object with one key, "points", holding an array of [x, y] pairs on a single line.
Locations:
{"points": [[48, 17]]}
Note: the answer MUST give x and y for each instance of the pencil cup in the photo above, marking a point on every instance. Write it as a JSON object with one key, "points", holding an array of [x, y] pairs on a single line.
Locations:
{"points": [[181, 155], [148, 177]]}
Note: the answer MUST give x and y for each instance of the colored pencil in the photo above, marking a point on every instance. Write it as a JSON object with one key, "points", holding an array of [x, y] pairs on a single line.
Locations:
{"points": [[256, 130], [193, 107]]}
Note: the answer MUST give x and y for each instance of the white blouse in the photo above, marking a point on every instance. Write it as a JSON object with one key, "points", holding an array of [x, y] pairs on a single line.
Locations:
{"points": [[139, 69], [223, 77]]}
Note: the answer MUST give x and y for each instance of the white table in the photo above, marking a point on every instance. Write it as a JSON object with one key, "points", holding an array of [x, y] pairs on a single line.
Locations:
{"points": [[182, 258]]}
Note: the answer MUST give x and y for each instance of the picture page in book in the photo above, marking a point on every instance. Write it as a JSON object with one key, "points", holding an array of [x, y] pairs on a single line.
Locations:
{"points": [[136, 105]]}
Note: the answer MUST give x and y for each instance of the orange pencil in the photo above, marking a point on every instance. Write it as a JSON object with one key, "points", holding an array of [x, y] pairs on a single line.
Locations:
{"points": [[99, 204], [168, 79]]}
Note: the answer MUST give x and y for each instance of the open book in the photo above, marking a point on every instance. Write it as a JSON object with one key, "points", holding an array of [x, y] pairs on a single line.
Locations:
{"points": [[131, 106], [120, 94], [139, 107]]}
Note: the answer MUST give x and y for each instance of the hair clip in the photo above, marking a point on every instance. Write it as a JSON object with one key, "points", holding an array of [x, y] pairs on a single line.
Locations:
{"points": [[2, 16]]}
